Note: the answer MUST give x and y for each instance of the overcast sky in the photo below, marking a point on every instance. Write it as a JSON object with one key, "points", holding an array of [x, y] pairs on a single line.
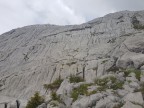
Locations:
{"points": [[18, 13]]}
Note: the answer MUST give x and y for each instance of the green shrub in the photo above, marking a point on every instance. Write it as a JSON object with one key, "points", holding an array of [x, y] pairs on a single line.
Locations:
{"points": [[35, 101], [75, 79], [55, 85], [81, 90]]}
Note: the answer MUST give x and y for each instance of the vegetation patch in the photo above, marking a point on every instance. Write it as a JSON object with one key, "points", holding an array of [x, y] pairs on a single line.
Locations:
{"points": [[117, 85], [113, 69], [55, 85], [35, 101], [119, 105], [55, 97], [104, 61], [92, 92], [75, 79], [139, 27], [81, 90], [71, 63], [136, 71], [103, 83]]}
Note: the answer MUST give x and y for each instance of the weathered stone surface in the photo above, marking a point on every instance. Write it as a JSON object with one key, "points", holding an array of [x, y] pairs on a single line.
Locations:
{"points": [[89, 101], [135, 97], [81, 103], [122, 93], [44, 105], [66, 100], [35, 55], [130, 105], [65, 88], [106, 102], [134, 85]]}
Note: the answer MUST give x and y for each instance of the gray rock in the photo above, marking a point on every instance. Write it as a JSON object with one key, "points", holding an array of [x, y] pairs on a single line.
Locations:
{"points": [[81, 103], [89, 101], [104, 103], [135, 98], [35, 55], [44, 105], [66, 100], [65, 88], [134, 85], [128, 88], [122, 93], [130, 105], [142, 78]]}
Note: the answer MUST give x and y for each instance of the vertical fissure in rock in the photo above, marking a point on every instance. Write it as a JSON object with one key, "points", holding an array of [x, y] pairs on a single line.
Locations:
{"points": [[84, 71], [17, 104]]}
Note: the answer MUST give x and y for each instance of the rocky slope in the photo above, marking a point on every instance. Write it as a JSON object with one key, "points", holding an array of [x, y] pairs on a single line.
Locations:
{"points": [[36, 55]]}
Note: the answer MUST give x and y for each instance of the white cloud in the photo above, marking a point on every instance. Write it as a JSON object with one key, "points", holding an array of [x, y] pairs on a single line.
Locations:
{"points": [[18, 13]]}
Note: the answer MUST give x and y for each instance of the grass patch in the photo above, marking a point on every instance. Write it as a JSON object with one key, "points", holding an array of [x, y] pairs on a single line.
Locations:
{"points": [[136, 71], [92, 92], [104, 81], [75, 79], [101, 82], [55, 97], [81, 90], [115, 84], [55, 85], [139, 27]]}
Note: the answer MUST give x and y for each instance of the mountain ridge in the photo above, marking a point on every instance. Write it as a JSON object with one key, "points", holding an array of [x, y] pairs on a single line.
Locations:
{"points": [[35, 55]]}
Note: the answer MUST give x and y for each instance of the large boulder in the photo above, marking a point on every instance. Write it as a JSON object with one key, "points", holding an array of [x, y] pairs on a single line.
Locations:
{"points": [[131, 53], [87, 101], [135, 98]]}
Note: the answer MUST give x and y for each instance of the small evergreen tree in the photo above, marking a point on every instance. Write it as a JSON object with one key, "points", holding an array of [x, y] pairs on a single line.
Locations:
{"points": [[35, 101]]}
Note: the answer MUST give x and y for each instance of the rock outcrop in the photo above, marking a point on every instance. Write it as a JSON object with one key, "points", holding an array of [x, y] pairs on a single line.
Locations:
{"points": [[36, 55]]}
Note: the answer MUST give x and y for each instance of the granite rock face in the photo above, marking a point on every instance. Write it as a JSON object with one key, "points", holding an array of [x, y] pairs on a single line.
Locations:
{"points": [[35, 55]]}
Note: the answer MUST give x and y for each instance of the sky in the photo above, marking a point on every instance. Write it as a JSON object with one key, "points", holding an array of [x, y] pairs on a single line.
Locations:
{"points": [[19, 13]]}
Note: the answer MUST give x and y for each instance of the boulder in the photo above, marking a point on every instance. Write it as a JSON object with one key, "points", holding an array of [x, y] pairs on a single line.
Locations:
{"points": [[44, 105], [105, 103], [135, 98], [65, 88], [122, 93], [131, 105], [87, 101], [66, 100]]}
